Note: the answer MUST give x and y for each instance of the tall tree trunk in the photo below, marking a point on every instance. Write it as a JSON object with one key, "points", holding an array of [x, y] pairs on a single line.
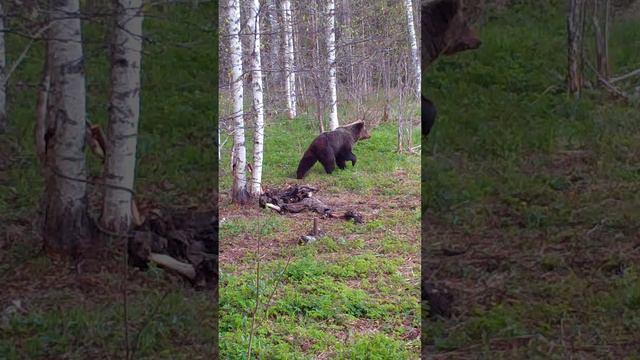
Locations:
{"points": [[3, 77], [124, 112], [576, 7], [66, 225], [349, 39], [414, 46], [258, 106], [331, 52], [42, 104], [601, 27], [299, 80], [287, 16], [239, 193], [275, 47], [316, 65]]}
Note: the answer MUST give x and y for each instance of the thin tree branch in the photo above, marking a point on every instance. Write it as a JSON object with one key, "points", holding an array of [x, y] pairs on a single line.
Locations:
{"points": [[24, 52], [624, 77]]}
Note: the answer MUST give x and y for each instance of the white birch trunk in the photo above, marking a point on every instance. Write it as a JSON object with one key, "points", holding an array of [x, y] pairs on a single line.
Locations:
{"points": [[3, 75], [414, 46], [66, 226], [124, 113], [258, 106], [331, 51], [239, 192], [290, 83]]}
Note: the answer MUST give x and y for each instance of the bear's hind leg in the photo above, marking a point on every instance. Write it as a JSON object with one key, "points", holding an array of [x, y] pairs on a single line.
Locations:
{"points": [[305, 164], [328, 161]]}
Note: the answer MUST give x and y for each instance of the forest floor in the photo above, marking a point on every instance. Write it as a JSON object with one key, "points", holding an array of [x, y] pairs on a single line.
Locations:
{"points": [[47, 309], [540, 192], [352, 293]]}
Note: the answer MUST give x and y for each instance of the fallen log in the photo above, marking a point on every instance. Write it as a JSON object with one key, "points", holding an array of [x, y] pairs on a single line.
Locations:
{"points": [[299, 198], [173, 264], [184, 241]]}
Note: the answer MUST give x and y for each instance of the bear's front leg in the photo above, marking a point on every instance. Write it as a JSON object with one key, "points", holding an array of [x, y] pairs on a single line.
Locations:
{"points": [[342, 164], [352, 158]]}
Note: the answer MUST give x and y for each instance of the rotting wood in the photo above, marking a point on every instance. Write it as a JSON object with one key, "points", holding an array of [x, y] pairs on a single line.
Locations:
{"points": [[299, 198], [608, 85], [173, 264], [313, 235], [137, 219], [96, 140], [184, 241], [439, 298]]}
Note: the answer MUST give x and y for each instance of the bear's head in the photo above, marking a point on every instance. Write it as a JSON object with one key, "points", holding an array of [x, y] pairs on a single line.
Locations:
{"points": [[358, 130], [445, 30]]}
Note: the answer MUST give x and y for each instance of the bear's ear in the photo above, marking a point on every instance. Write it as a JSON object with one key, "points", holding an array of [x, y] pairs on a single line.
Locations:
{"points": [[358, 126], [436, 20], [437, 15]]}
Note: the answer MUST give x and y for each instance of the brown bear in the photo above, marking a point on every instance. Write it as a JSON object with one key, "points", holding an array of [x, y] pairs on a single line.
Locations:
{"points": [[333, 147], [429, 113], [444, 31]]}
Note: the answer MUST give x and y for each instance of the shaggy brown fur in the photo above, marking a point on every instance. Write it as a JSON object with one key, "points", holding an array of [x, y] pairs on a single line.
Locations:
{"points": [[333, 147], [444, 31]]}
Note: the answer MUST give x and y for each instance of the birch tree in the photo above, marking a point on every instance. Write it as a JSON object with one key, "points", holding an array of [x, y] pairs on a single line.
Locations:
{"points": [[414, 46], [331, 51], [66, 226], [258, 107], [239, 193], [3, 80], [290, 82], [124, 113]]}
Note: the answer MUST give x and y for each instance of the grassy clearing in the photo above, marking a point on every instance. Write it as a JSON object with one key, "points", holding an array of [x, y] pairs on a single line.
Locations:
{"points": [[544, 191], [80, 316], [348, 295]]}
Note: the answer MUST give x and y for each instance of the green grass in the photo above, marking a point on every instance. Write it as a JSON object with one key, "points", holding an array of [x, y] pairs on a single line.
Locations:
{"points": [[178, 114], [96, 330], [176, 158], [544, 188], [352, 294], [377, 157]]}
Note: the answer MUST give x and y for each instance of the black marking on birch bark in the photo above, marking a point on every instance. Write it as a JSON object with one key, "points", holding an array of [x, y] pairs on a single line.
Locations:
{"points": [[125, 136], [73, 67], [71, 158], [120, 63]]}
